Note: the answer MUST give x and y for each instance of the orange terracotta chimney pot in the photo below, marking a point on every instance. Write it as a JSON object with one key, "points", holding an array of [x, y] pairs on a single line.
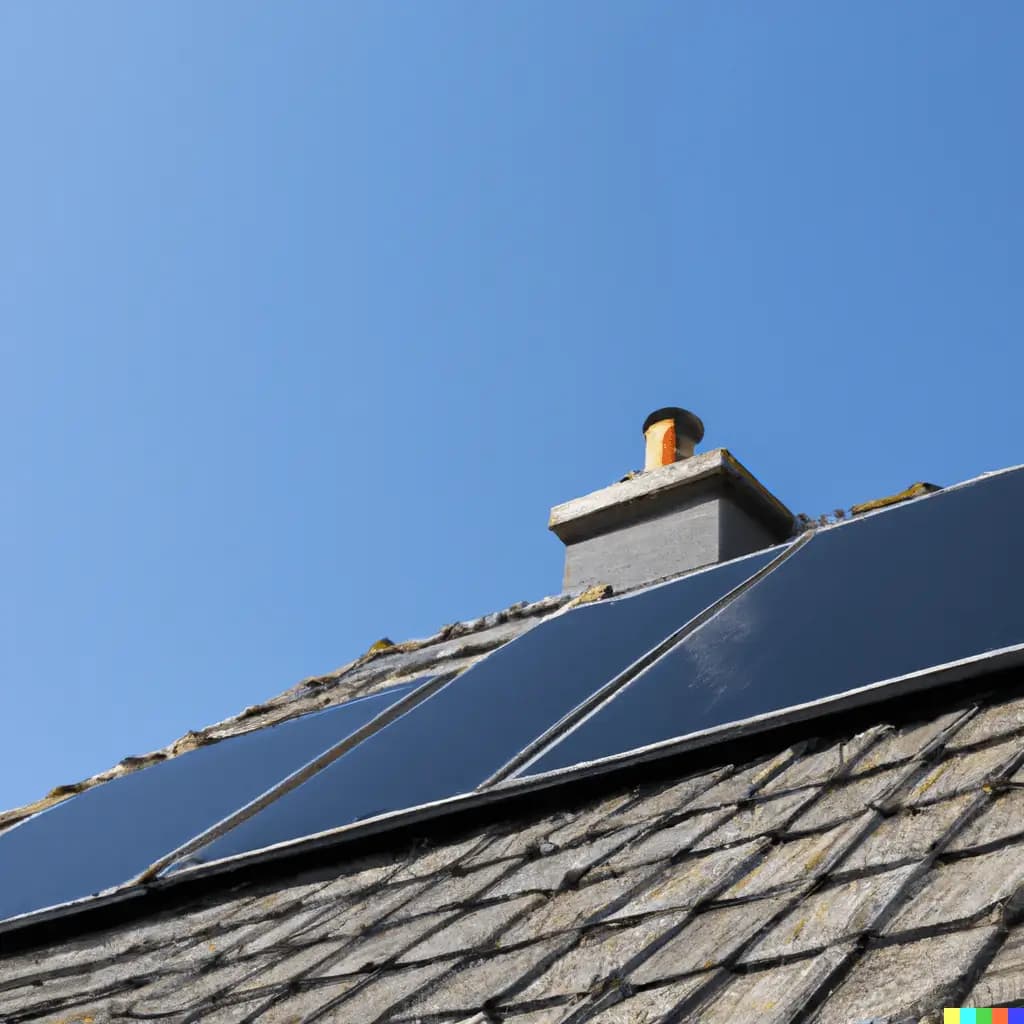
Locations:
{"points": [[671, 434]]}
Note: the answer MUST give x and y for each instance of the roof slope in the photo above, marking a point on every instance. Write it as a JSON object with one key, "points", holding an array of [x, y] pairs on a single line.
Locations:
{"points": [[874, 876], [451, 649]]}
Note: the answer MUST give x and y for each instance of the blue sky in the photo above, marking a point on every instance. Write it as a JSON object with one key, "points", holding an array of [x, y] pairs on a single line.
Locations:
{"points": [[309, 312]]}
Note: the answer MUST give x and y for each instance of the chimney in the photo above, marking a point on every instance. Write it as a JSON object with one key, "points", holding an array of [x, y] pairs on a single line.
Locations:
{"points": [[682, 512]]}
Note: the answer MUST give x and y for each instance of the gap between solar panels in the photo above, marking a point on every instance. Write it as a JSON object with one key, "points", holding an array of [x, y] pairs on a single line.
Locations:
{"points": [[429, 686], [646, 661]]}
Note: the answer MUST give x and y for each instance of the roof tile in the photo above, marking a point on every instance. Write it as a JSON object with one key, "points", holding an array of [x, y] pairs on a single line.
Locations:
{"points": [[906, 981], [708, 940], [666, 842], [473, 930], [572, 908], [485, 981], [823, 765], [756, 819], [741, 785], [772, 996], [1003, 979], [907, 836], [670, 799], [691, 881], [962, 772], [963, 889], [903, 744], [830, 915], [1002, 819], [797, 861], [451, 891], [548, 873], [996, 720], [651, 1006], [848, 799], [601, 955], [345, 1002]]}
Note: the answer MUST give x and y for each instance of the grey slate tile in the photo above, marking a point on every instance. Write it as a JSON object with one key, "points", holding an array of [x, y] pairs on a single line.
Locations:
{"points": [[709, 939], [1003, 979], [666, 842], [571, 908], [960, 773], [368, 952], [1002, 719], [687, 883], [796, 861], [594, 818], [756, 819], [549, 1015], [346, 1001], [906, 981], [846, 800], [353, 883], [521, 842], [1002, 819], [433, 860], [474, 930], [653, 1005], [961, 890], [910, 835], [451, 891], [743, 783], [179, 993], [823, 765], [234, 1013], [487, 980], [771, 996], [600, 955], [830, 916], [670, 799], [287, 968], [548, 873], [908, 742], [65, 993]]}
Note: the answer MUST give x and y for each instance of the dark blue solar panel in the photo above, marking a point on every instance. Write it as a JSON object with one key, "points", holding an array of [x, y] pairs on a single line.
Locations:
{"points": [[109, 834], [920, 585], [470, 728]]}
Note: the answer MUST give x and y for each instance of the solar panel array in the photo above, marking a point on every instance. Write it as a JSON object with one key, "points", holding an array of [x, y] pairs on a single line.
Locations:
{"points": [[889, 594]]}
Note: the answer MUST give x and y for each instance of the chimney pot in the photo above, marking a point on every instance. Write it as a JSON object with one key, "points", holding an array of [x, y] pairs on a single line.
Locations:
{"points": [[684, 511], [671, 435]]}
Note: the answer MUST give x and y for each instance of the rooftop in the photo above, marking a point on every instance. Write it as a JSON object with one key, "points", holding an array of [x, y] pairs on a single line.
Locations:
{"points": [[779, 784]]}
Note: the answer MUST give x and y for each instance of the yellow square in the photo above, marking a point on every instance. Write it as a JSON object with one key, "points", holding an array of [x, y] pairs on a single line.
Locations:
{"points": [[951, 1016]]}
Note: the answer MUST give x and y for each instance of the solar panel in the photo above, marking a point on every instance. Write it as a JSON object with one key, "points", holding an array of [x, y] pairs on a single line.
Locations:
{"points": [[459, 737], [917, 586], [107, 835]]}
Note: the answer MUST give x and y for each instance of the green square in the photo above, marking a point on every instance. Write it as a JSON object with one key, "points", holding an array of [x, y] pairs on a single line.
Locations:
{"points": [[983, 1016]]}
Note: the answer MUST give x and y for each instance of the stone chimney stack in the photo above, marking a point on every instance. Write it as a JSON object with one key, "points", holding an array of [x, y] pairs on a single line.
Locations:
{"points": [[682, 512]]}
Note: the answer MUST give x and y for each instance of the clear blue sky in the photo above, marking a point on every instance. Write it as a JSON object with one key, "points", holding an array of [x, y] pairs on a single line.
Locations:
{"points": [[309, 312]]}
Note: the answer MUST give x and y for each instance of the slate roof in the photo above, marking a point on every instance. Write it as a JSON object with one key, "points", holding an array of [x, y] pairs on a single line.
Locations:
{"points": [[874, 875], [865, 867]]}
